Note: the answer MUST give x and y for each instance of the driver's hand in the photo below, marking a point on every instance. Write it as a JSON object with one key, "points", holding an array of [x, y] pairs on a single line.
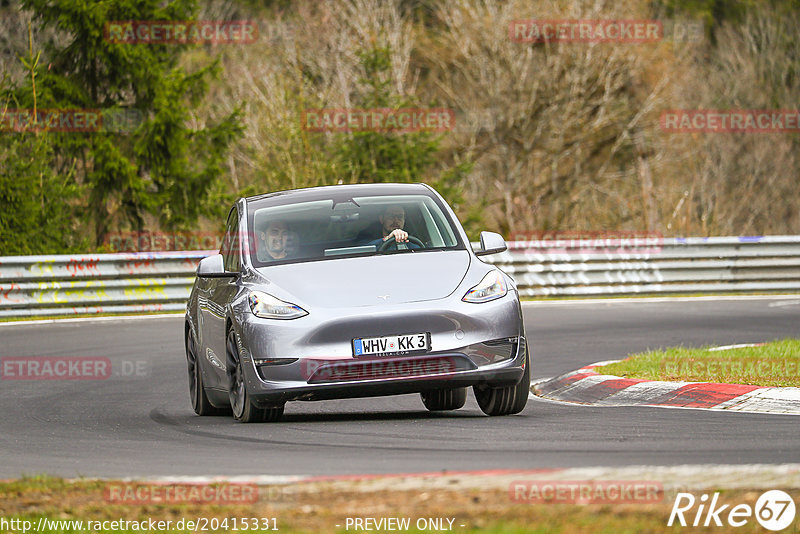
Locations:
{"points": [[399, 235]]}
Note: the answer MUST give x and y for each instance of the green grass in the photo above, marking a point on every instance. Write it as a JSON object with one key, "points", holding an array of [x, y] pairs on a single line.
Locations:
{"points": [[317, 508], [774, 364]]}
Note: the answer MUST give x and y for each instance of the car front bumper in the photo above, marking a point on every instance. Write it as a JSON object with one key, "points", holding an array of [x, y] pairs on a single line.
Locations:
{"points": [[389, 376], [471, 344]]}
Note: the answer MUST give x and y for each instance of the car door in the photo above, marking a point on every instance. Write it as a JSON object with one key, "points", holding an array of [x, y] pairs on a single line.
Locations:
{"points": [[214, 297]]}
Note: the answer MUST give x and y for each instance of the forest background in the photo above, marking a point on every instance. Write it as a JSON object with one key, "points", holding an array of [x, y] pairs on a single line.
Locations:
{"points": [[548, 136]]}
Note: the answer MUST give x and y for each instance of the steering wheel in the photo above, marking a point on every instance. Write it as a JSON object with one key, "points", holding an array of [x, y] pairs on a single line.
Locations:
{"points": [[411, 239]]}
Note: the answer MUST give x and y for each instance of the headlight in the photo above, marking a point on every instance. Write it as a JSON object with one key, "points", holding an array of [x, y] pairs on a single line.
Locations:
{"points": [[268, 307], [493, 286]]}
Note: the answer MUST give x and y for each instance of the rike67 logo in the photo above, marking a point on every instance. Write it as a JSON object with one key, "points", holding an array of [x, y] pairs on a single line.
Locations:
{"points": [[774, 510]]}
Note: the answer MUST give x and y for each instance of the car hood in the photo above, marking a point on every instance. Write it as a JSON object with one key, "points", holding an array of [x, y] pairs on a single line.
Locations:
{"points": [[370, 281]]}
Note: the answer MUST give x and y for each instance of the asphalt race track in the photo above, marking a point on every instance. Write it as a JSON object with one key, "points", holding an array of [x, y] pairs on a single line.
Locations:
{"points": [[142, 425]]}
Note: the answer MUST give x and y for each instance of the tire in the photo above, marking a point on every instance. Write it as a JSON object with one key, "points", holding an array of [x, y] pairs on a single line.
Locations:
{"points": [[200, 403], [506, 400], [243, 408], [440, 400]]}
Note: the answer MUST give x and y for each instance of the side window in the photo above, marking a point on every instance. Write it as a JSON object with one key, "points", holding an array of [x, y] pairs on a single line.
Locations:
{"points": [[230, 243]]}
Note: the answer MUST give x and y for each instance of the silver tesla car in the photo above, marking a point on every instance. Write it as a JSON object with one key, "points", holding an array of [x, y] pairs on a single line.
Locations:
{"points": [[352, 291]]}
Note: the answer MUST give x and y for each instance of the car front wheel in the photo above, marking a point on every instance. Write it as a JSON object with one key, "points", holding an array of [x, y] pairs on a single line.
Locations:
{"points": [[506, 400], [243, 408]]}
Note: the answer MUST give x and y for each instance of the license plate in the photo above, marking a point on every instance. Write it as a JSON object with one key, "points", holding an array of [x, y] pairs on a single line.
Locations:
{"points": [[402, 344]]}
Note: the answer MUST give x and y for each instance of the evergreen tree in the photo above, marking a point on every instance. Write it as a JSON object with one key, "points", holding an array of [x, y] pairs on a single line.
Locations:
{"points": [[160, 166]]}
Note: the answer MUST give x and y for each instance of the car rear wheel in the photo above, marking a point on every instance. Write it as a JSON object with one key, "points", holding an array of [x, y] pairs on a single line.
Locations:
{"points": [[444, 399], [243, 408], [200, 403], [506, 400]]}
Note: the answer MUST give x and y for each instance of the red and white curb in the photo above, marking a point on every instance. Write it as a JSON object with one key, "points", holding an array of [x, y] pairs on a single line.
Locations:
{"points": [[587, 386]]}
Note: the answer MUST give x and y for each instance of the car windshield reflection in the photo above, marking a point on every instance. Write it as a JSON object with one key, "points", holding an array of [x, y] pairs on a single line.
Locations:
{"points": [[368, 225]]}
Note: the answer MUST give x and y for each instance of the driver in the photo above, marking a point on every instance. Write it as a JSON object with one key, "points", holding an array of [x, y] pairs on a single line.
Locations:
{"points": [[392, 221], [277, 242]]}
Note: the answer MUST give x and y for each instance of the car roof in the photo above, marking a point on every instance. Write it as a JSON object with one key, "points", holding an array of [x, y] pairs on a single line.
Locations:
{"points": [[343, 191]]}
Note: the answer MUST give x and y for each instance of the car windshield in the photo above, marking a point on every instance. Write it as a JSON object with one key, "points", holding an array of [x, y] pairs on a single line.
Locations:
{"points": [[326, 229]]}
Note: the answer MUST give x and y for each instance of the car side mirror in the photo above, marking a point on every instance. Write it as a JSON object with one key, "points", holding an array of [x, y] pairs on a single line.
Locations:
{"points": [[491, 243], [213, 267]]}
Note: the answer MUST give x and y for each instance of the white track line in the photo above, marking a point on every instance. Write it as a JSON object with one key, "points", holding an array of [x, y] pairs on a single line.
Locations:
{"points": [[784, 303], [627, 300], [739, 346], [681, 477], [530, 303]]}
